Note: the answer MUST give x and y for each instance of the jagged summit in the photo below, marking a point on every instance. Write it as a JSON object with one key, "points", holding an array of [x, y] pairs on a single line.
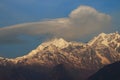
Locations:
{"points": [[58, 42], [106, 39]]}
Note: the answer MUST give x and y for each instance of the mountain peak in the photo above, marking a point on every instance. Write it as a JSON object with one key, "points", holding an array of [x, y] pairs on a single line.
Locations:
{"points": [[102, 35], [105, 39], [57, 42]]}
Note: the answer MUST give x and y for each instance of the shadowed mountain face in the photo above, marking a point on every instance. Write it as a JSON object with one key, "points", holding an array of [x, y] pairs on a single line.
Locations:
{"points": [[59, 72], [21, 73], [110, 72], [36, 72], [61, 60]]}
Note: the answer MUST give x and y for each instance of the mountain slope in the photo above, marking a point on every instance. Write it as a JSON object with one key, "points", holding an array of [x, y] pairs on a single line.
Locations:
{"points": [[80, 59], [109, 72], [102, 50]]}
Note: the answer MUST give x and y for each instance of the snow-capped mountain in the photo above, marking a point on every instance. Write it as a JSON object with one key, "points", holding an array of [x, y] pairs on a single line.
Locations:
{"points": [[100, 51], [59, 43], [110, 40], [103, 49]]}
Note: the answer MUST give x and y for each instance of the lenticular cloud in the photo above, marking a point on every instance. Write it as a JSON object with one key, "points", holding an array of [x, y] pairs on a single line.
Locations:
{"points": [[82, 21]]}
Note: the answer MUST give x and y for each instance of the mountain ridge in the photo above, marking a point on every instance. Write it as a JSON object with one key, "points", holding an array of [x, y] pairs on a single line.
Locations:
{"points": [[96, 43], [74, 56]]}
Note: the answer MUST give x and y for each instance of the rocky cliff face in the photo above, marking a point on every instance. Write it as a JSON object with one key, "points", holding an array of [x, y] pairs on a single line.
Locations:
{"points": [[100, 51]]}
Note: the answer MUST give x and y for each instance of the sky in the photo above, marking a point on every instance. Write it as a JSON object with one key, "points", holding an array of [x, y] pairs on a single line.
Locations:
{"points": [[25, 24]]}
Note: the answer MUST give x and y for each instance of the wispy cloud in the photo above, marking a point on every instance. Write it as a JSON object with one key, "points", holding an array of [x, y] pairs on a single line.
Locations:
{"points": [[82, 21]]}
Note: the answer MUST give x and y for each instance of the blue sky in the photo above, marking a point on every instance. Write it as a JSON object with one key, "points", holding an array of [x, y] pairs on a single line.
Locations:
{"points": [[13, 12], [16, 12]]}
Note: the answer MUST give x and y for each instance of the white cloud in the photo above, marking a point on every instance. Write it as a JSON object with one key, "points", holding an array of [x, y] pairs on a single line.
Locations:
{"points": [[82, 21]]}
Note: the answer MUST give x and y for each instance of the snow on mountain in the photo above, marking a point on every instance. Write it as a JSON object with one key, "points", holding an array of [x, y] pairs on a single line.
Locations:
{"points": [[80, 60], [60, 43], [102, 35], [110, 40], [103, 49]]}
